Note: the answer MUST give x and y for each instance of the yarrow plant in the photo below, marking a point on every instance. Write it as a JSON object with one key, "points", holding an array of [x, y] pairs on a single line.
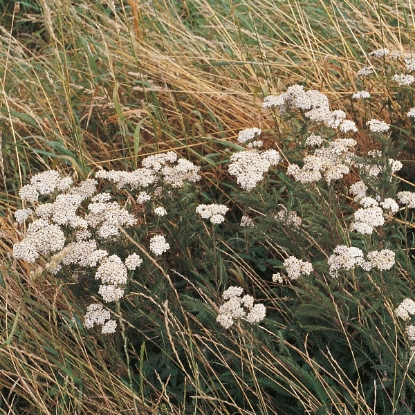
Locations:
{"points": [[237, 307], [215, 213], [361, 244], [324, 210], [76, 223]]}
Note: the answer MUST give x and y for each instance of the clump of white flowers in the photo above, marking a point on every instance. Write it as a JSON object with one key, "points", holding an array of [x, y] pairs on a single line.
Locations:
{"points": [[403, 80], [378, 126], [314, 140], [288, 218], [41, 237], [237, 307], [215, 213], [164, 168], [96, 314], [371, 214], [133, 261], [160, 211], [331, 163], [248, 134], [250, 166], [361, 95], [366, 219], [158, 244], [71, 221], [314, 106], [383, 260], [379, 53], [246, 221], [406, 198], [346, 258], [365, 71], [406, 309], [297, 267]]}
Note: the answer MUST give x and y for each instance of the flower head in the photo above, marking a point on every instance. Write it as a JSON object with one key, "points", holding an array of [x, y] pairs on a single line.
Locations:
{"points": [[160, 211], [248, 134], [133, 261], [237, 307], [213, 212], [361, 95], [158, 244], [406, 309], [297, 267], [250, 166], [403, 80], [377, 126]]}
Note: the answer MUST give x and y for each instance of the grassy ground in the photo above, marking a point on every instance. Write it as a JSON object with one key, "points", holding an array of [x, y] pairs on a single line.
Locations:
{"points": [[92, 84]]}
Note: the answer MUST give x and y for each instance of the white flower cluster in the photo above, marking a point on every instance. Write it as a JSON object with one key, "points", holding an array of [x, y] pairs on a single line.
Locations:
{"points": [[410, 332], [376, 167], [138, 178], [68, 215], [22, 215], [383, 260], [406, 309], [237, 307], [216, 213], [409, 59], [158, 244], [314, 140], [297, 267], [411, 113], [288, 218], [156, 167], [41, 238], [315, 103], [358, 189], [406, 198], [403, 80], [346, 258], [160, 211], [365, 71], [83, 253], [175, 176], [366, 219], [361, 95], [108, 217], [113, 273], [143, 197], [249, 134], [133, 261], [277, 278], [379, 53], [246, 222], [96, 314], [371, 215], [390, 204], [378, 126], [331, 162], [44, 184], [249, 166]]}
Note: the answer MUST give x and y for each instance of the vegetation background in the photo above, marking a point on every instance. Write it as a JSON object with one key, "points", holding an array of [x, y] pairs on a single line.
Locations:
{"points": [[91, 84]]}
